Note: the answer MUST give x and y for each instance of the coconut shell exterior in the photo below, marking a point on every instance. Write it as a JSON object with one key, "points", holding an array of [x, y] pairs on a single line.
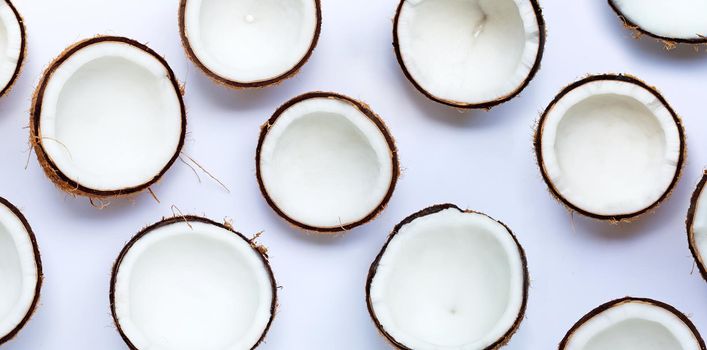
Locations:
{"points": [[246, 85], [626, 300], [485, 105], [23, 50], [182, 219], [368, 113], [62, 181], [429, 211], [691, 239], [40, 276], [628, 217], [669, 42]]}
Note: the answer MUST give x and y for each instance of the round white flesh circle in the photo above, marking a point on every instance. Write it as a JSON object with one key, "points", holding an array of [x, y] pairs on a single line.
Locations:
{"points": [[678, 19], [249, 41], [110, 118], [18, 271], [468, 51], [698, 230], [449, 280], [198, 287], [325, 164], [610, 147], [633, 325], [10, 43]]}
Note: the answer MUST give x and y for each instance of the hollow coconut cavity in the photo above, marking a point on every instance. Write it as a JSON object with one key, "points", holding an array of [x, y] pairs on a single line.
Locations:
{"points": [[20, 271], [633, 324], [191, 283], [326, 163], [448, 279], [610, 147], [469, 53], [697, 226], [108, 118], [676, 21], [12, 45], [246, 43]]}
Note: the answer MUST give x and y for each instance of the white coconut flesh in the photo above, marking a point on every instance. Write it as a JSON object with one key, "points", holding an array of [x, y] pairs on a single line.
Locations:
{"points": [[468, 51], [449, 280], [325, 164], [698, 228], [610, 147], [249, 41], [633, 325], [200, 287], [18, 271], [677, 19], [111, 117], [10, 44]]}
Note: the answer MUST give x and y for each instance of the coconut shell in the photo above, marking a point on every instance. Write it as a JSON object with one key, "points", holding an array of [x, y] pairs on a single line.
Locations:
{"points": [[62, 181], [486, 105], [40, 276], [669, 43], [245, 85], [629, 217], [189, 218], [23, 51], [688, 223], [368, 113], [625, 300], [429, 211]]}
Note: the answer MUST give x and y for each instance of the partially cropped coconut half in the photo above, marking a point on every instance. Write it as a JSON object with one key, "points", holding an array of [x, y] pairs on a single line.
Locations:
{"points": [[697, 226], [326, 163], [12, 45], [469, 53], [20, 271], [448, 279], [107, 118], [675, 21], [610, 147], [633, 324], [246, 44], [191, 283]]}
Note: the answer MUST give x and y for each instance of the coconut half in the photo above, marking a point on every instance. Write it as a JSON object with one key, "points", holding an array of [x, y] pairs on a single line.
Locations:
{"points": [[326, 163], [633, 324], [469, 53], [108, 118], [448, 279], [12, 45], [191, 283], [246, 43], [610, 147], [20, 271], [697, 226], [675, 21]]}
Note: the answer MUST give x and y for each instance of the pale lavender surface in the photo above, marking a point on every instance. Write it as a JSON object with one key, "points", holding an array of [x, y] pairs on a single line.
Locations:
{"points": [[480, 160]]}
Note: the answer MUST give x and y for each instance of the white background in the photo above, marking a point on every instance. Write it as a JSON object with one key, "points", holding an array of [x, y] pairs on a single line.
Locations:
{"points": [[479, 160]]}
